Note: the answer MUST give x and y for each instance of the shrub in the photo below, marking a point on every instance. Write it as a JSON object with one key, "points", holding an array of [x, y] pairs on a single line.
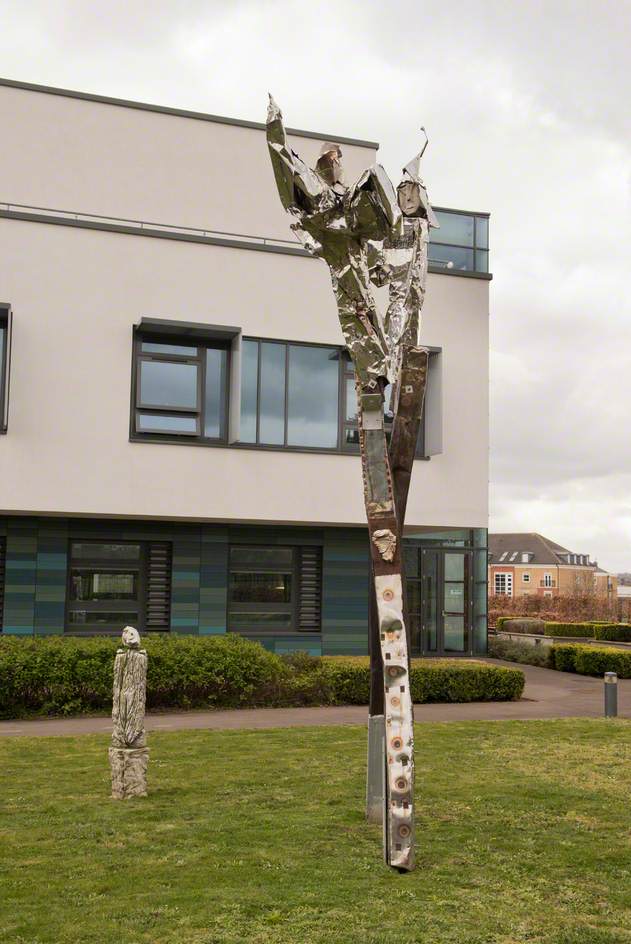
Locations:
{"points": [[592, 660], [431, 680], [521, 624], [614, 632], [585, 630], [57, 675], [512, 650]]}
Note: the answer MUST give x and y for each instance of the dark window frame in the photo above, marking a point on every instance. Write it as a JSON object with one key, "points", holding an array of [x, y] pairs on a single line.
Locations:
{"points": [[5, 364], [345, 370], [474, 247], [294, 605], [199, 360], [98, 563]]}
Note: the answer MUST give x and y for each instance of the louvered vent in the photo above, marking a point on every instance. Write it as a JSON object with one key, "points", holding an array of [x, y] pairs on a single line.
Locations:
{"points": [[3, 570], [310, 589], [158, 605]]}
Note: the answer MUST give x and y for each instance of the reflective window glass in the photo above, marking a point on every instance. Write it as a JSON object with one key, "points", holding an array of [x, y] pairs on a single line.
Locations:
{"points": [[95, 550], [455, 228], [481, 261], [454, 634], [175, 423], [454, 566], [260, 587], [313, 396], [249, 382], [113, 619], [272, 405], [454, 598], [351, 401], [215, 393], [482, 232], [451, 257], [149, 347], [168, 384], [109, 585], [263, 557]]}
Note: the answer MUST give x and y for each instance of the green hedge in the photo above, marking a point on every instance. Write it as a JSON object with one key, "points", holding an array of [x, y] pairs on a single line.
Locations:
{"points": [[585, 630], [613, 632], [591, 660], [521, 624], [57, 675]]}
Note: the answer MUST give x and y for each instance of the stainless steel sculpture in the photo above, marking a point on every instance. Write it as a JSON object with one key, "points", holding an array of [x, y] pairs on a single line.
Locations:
{"points": [[370, 234], [129, 754]]}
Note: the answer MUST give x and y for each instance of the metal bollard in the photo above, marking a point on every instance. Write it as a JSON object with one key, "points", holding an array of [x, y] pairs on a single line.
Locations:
{"points": [[611, 695]]}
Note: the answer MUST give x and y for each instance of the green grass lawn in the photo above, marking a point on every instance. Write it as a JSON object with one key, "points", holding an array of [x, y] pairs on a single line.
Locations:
{"points": [[524, 837]]}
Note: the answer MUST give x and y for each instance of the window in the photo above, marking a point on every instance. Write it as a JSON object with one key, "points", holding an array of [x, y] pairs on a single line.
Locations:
{"points": [[547, 580], [504, 584], [525, 557], [274, 589], [290, 394], [115, 584], [300, 395], [461, 243], [5, 361], [180, 389], [525, 578]]}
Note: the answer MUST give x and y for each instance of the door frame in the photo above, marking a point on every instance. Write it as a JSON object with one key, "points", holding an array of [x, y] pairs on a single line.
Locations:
{"points": [[440, 597]]}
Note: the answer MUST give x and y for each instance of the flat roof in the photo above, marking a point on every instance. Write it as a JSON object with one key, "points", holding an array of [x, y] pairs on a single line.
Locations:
{"points": [[180, 112]]}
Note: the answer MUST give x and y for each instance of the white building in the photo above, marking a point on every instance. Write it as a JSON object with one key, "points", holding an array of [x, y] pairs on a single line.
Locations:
{"points": [[179, 445]]}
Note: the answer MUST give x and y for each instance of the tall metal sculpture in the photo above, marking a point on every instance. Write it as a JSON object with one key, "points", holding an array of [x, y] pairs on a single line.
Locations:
{"points": [[370, 234]]}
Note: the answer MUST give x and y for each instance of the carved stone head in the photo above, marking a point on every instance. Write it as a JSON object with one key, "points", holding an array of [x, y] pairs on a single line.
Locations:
{"points": [[329, 165], [131, 637]]}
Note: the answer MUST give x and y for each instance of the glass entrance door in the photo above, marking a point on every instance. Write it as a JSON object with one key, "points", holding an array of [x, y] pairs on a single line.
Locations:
{"points": [[444, 608]]}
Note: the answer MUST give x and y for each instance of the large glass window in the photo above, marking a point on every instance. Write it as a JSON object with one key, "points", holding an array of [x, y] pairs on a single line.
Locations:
{"points": [[181, 389], [106, 586], [301, 395], [261, 588], [290, 394], [461, 243], [274, 589], [115, 583]]}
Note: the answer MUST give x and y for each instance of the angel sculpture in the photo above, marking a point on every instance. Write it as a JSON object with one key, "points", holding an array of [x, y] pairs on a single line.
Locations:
{"points": [[369, 234]]}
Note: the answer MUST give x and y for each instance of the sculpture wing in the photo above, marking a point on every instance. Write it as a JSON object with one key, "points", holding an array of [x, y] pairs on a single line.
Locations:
{"points": [[299, 187]]}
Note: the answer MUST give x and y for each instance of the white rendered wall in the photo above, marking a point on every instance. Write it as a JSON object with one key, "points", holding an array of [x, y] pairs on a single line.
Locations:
{"points": [[89, 157], [76, 295]]}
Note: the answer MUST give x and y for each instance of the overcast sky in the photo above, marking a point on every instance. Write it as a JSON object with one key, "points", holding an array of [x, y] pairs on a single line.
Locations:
{"points": [[527, 103]]}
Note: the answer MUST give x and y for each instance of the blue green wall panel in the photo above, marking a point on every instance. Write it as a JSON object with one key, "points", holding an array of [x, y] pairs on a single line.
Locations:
{"points": [[345, 570], [52, 577], [185, 584], [21, 577], [213, 593]]}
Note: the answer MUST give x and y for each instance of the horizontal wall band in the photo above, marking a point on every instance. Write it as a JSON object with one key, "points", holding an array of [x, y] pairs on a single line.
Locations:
{"points": [[174, 234], [179, 112]]}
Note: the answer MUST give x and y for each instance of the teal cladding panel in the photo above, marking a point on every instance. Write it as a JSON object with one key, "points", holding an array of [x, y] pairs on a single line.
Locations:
{"points": [[345, 582], [213, 594], [185, 583], [21, 577], [52, 577]]}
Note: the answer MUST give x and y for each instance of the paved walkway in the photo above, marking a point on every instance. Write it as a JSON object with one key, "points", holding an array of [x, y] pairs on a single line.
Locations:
{"points": [[547, 694]]}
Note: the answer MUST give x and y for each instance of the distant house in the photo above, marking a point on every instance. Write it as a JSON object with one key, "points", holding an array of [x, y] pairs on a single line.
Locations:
{"points": [[528, 563]]}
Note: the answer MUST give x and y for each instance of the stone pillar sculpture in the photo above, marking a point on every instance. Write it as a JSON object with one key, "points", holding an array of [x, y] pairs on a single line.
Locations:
{"points": [[369, 234], [129, 754]]}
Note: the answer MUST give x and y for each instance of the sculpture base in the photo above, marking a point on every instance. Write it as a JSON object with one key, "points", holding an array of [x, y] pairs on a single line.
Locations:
{"points": [[129, 772]]}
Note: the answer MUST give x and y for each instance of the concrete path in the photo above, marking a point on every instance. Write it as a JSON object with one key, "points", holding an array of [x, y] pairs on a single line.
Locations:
{"points": [[547, 694]]}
